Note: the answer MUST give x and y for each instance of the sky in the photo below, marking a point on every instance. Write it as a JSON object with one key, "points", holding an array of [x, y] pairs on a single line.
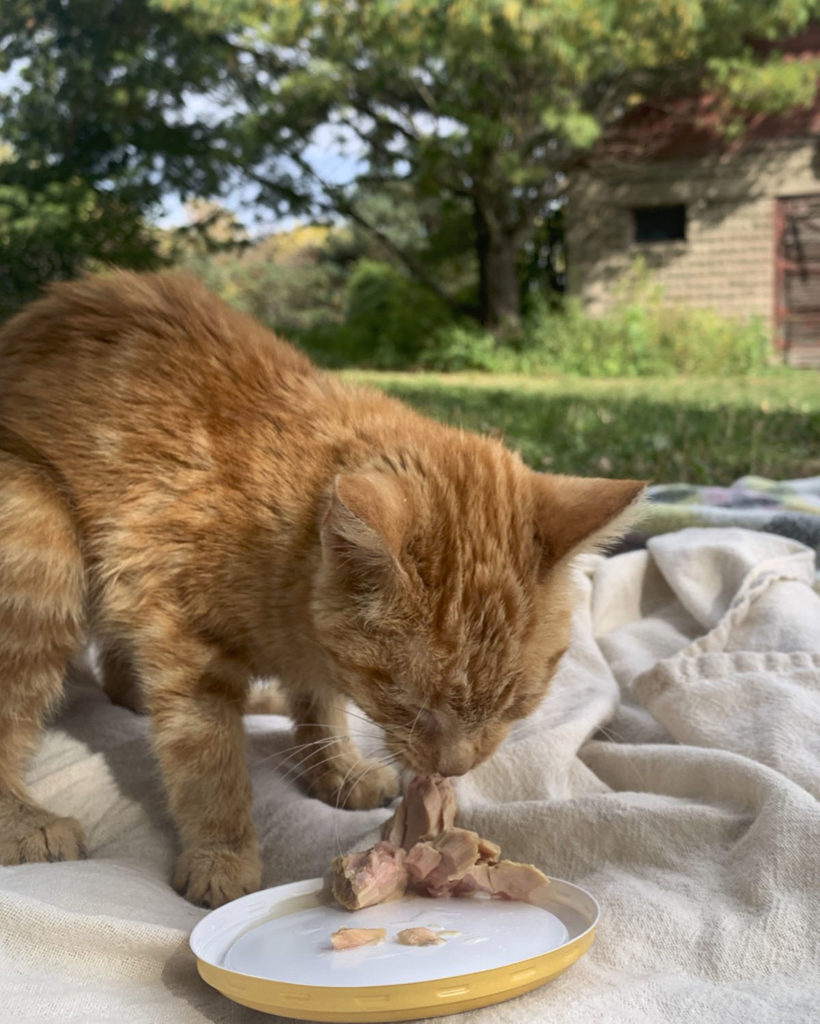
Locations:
{"points": [[333, 166], [336, 157], [335, 161]]}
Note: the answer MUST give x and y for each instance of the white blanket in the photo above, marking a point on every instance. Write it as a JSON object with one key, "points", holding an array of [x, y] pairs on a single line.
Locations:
{"points": [[693, 819]]}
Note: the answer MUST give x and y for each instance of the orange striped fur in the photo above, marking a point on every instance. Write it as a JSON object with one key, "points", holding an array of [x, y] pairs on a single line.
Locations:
{"points": [[187, 490]]}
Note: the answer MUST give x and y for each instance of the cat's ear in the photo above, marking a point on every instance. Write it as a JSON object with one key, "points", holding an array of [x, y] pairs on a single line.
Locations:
{"points": [[365, 525], [574, 514]]}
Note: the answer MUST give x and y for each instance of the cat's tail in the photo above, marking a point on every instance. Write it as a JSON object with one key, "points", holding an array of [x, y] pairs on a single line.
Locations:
{"points": [[42, 599]]}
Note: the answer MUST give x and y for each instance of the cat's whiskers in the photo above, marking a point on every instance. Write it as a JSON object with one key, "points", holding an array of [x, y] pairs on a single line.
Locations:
{"points": [[422, 707], [314, 747], [297, 748], [295, 772], [369, 721], [293, 769], [370, 765], [340, 790]]}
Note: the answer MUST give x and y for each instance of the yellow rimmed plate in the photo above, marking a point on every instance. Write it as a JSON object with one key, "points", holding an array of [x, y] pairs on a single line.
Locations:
{"points": [[271, 951]]}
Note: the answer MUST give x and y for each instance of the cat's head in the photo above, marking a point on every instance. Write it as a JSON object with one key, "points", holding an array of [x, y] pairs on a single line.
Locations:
{"points": [[443, 598]]}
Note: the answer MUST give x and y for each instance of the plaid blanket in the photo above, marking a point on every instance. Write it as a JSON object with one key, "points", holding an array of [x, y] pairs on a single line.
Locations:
{"points": [[790, 508]]}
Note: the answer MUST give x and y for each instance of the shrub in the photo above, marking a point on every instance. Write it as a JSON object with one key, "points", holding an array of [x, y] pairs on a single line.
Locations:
{"points": [[283, 280], [374, 315], [641, 336], [646, 338], [461, 347], [389, 319]]}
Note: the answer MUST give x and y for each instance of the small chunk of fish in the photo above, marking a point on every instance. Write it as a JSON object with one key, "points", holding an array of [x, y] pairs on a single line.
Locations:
{"points": [[419, 937], [507, 880], [488, 851], [369, 876], [352, 938], [434, 866]]}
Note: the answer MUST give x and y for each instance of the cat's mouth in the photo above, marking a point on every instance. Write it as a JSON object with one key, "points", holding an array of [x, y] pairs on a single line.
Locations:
{"points": [[457, 758]]}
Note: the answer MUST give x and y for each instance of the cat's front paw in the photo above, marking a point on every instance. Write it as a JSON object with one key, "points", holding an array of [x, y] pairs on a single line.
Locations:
{"points": [[212, 875], [358, 787], [32, 834]]}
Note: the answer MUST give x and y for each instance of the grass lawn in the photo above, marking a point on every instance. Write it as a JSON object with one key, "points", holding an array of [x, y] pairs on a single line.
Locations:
{"points": [[698, 430]]}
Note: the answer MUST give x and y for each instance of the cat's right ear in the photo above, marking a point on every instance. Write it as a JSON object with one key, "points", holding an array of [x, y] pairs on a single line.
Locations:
{"points": [[574, 514], [364, 527]]}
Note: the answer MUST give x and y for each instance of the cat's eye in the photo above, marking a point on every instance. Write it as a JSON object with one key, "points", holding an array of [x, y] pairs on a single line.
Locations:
{"points": [[422, 720]]}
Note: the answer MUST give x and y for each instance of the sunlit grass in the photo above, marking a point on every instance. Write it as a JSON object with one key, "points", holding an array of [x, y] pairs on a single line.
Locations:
{"points": [[700, 430]]}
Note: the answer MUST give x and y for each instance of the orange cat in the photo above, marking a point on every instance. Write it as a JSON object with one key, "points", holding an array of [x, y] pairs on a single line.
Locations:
{"points": [[188, 491]]}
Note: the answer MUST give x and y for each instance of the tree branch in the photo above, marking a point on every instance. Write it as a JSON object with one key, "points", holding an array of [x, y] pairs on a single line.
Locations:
{"points": [[343, 205]]}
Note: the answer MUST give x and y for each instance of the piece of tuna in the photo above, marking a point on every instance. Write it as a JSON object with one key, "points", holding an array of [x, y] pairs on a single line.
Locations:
{"points": [[423, 849], [477, 879], [438, 864], [505, 880], [352, 938], [514, 881], [427, 810], [488, 851], [369, 876], [421, 861], [419, 937]]}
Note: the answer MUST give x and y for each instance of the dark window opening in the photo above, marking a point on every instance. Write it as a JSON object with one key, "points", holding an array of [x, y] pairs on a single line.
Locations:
{"points": [[660, 223]]}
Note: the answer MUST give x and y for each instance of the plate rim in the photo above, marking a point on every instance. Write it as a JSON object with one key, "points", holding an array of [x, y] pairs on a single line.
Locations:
{"points": [[399, 1002], [310, 886], [410, 1000]]}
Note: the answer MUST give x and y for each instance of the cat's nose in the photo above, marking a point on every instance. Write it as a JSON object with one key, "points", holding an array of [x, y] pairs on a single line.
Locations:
{"points": [[456, 759]]}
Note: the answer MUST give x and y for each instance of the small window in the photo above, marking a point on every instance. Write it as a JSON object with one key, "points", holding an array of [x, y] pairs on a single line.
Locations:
{"points": [[660, 223]]}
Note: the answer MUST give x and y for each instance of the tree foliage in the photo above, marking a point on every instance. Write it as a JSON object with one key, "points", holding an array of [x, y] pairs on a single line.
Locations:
{"points": [[444, 129], [96, 127], [482, 107]]}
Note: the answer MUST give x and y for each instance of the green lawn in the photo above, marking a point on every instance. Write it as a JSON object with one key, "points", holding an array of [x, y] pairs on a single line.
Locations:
{"points": [[699, 430]]}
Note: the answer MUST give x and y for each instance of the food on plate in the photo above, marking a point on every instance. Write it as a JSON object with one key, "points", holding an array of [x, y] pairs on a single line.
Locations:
{"points": [[428, 808], [369, 876], [435, 865], [425, 851], [507, 880], [352, 938], [419, 937]]}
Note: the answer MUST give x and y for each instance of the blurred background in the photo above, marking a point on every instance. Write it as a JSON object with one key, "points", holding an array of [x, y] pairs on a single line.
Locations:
{"points": [[591, 227]]}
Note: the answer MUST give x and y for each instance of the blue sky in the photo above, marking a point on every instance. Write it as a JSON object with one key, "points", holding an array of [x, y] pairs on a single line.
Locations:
{"points": [[334, 159], [332, 165]]}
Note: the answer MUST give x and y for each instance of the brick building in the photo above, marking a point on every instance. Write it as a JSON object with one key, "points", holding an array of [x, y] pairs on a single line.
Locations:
{"points": [[735, 227]]}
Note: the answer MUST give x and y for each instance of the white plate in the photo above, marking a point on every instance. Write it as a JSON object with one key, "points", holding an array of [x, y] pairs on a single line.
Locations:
{"points": [[271, 950]]}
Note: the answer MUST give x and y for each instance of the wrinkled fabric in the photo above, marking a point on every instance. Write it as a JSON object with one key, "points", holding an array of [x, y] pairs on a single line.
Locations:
{"points": [[673, 771]]}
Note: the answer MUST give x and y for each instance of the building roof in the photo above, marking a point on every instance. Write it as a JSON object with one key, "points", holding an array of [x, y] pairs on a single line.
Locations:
{"points": [[691, 126]]}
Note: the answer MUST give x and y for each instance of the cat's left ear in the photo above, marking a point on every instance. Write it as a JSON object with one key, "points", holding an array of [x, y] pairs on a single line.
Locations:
{"points": [[574, 514], [365, 525]]}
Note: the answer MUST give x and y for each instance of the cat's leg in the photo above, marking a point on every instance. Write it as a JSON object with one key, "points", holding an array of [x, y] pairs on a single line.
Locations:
{"points": [[119, 676], [330, 761], [266, 698], [196, 699], [41, 619]]}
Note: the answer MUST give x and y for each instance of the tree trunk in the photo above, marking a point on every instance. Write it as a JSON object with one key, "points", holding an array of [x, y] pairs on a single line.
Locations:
{"points": [[498, 286]]}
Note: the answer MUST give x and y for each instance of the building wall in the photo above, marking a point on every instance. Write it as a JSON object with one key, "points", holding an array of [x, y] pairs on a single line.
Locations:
{"points": [[727, 260]]}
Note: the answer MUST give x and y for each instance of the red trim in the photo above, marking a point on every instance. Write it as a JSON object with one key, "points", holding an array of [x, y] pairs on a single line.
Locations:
{"points": [[777, 296], [782, 266]]}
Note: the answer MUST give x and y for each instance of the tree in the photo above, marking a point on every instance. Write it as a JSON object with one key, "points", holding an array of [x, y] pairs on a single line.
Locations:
{"points": [[473, 111], [485, 105], [95, 127]]}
